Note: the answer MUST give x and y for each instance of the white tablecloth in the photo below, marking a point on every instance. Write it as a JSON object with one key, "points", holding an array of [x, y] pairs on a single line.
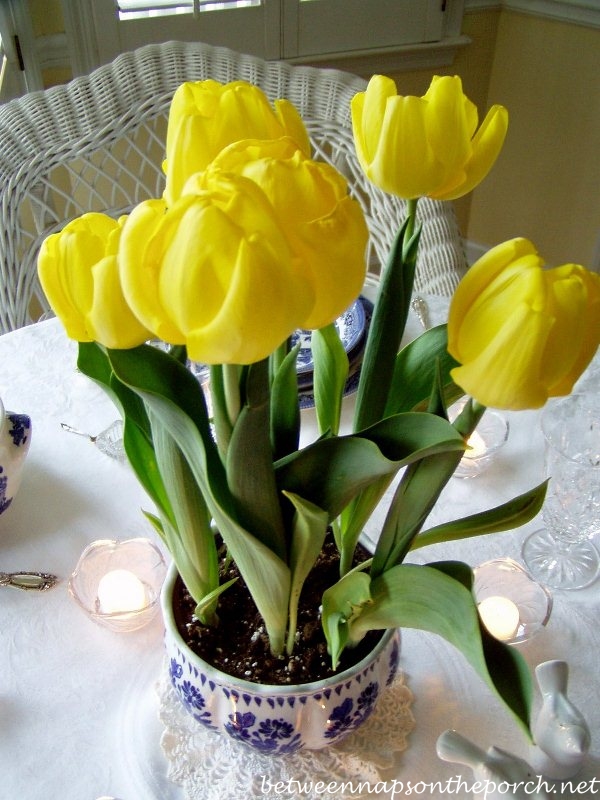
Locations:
{"points": [[77, 702]]}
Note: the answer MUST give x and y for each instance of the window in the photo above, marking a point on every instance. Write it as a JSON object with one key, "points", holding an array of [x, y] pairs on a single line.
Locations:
{"points": [[141, 9], [17, 75], [303, 31]]}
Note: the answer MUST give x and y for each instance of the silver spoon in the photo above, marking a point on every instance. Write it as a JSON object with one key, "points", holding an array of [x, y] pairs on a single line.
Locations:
{"points": [[38, 581], [108, 441]]}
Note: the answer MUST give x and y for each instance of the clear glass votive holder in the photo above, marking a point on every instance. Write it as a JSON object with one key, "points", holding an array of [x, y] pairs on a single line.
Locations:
{"points": [[513, 606], [117, 584], [484, 443]]}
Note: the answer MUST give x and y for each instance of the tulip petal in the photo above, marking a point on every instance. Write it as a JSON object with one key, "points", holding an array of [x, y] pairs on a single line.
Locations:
{"points": [[78, 271], [325, 228], [110, 318], [480, 276], [520, 283], [141, 253], [505, 375], [404, 163], [424, 146], [256, 295], [333, 252], [448, 126], [293, 125], [487, 144], [206, 116], [368, 110], [575, 298]]}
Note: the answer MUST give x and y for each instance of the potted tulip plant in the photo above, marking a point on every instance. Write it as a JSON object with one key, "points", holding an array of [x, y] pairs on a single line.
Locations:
{"points": [[252, 240]]}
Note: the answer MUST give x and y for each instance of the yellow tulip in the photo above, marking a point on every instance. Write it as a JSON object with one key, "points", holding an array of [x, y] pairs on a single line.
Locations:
{"points": [[79, 273], [206, 116], [214, 272], [324, 226], [425, 146], [522, 333]]}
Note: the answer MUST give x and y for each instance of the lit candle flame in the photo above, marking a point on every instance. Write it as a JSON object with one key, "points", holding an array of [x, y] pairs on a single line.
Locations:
{"points": [[477, 446], [120, 591], [500, 616]]}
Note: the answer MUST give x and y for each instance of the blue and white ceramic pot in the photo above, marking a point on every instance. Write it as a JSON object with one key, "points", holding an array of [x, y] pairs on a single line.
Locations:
{"points": [[15, 437], [277, 719]]}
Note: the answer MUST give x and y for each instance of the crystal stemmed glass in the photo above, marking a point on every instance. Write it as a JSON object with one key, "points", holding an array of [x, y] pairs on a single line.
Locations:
{"points": [[561, 555]]}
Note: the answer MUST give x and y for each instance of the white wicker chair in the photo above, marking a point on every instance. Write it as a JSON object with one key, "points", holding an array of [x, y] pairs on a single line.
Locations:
{"points": [[97, 143]]}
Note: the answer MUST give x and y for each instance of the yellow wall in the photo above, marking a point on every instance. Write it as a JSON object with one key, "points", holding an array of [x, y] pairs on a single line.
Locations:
{"points": [[546, 185]]}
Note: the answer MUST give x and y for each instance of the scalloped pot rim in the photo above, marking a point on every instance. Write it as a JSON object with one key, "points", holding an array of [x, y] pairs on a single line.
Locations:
{"points": [[292, 688]]}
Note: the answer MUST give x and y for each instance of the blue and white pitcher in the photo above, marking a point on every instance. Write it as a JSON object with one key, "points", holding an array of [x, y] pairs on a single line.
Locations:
{"points": [[15, 437]]}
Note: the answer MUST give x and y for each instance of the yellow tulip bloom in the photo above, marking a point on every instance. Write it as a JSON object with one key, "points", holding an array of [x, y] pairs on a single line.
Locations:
{"points": [[79, 273], [324, 226], [522, 333], [425, 146], [206, 116], [214, 272]]}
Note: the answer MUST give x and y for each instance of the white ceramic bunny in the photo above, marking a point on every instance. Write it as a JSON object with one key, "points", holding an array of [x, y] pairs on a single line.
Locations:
{"points": [[15, 436], [493, 768], [561, 734]]}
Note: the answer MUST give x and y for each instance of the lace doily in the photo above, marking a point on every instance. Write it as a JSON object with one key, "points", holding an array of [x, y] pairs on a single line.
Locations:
{"points": [[212, 767]]}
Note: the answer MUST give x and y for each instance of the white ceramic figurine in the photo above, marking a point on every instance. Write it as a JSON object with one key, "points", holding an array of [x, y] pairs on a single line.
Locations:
{"points": [[492, 768], [561, 734]]}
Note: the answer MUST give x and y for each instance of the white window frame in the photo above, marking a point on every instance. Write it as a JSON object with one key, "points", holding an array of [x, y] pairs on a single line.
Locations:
{"points": [[25, 65], [90, 26]]}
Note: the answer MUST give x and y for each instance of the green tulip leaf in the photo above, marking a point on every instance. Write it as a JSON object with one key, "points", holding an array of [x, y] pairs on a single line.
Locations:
{"points": [[415, 372], [249, 465], [308, 534], [387, 328], [93, 361], [333, 470], [210, 600], [342, 604], [330, 375], [285, 407], [426, 598], [168, 394], [509, 515], [192, 525], [416, 495]]}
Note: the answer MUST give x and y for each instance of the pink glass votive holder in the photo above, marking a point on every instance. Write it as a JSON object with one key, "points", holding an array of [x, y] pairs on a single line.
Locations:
{"points": [[117, 584]]}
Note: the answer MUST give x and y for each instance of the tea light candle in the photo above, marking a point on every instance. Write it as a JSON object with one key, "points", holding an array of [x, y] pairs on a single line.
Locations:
{"points": [[500, 616], [482, 444], [120, 591], [477, 446]]}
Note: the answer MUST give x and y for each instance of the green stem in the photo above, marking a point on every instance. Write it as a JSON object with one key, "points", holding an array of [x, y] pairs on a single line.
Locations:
{"points": [[411, 213], [231, 387], [417, 494]]}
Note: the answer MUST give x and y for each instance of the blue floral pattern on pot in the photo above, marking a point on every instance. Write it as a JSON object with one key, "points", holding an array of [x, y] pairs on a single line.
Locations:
{"points": [[277, 719], [15, 436]]}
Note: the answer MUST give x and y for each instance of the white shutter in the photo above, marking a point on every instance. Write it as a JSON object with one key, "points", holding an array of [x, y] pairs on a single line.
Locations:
{"points": [[302, 30], [318, 27], [131, 9], [19, 64], [243, 25]]}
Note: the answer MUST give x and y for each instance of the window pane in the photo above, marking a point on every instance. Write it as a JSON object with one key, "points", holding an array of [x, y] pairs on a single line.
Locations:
{"points": [[138, 9]]}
